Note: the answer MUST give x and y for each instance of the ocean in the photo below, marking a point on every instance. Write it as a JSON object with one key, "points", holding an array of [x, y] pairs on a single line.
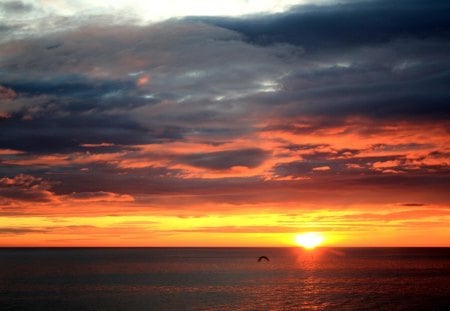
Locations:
{"points": [[224, 279]]}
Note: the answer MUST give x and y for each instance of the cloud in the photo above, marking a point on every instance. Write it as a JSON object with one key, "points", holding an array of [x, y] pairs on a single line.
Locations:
{"points": [[11, 7], [100, 196], [26, 188], [401, 215], [20, 231], [386, 164], [321, 168], [226, 159], [7, 93], [38, 133], [85, 94], [56, 12], [187, 89], [344, 25]]}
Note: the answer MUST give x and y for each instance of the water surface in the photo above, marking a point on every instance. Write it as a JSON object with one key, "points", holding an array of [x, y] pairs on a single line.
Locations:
{"points": [[224, 279]]}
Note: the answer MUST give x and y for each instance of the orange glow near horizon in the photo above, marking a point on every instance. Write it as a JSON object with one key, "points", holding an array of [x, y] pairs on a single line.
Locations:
{"points": [[245, 229]]}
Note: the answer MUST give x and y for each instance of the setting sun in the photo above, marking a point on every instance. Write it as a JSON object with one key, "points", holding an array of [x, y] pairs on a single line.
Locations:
{"points": [[309, 240]]}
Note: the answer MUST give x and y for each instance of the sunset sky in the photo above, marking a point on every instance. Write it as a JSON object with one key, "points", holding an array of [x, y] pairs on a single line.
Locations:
{"points": [[224, 123]]}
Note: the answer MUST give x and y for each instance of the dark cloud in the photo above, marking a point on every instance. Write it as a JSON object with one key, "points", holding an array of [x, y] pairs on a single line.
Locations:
{"points": [[69, 85], [222, 160], [15, 231], [345, 25], [53, 46], [76, 93], [100, 196], [25, 188], [4, 28], [425, 98], [377, 59], [50, 132]]}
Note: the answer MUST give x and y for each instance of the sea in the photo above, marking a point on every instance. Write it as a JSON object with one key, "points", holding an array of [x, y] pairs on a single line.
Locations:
{"points": [[224, 279]]}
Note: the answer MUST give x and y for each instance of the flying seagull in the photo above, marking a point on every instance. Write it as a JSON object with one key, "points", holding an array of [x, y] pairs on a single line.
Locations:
{"points": [[263, 257]]}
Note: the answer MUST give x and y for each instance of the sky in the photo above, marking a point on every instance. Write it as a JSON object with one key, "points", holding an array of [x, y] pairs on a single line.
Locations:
{"points": [[224, 123]]}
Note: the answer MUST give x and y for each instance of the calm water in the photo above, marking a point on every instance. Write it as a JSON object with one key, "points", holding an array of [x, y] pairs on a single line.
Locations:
{"points": [[225, 279]]}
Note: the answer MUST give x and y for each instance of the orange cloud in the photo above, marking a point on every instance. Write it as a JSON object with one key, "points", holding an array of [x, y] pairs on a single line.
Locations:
{"points": [[101, 196], [321, 168], [7, 93], [143, 80]]}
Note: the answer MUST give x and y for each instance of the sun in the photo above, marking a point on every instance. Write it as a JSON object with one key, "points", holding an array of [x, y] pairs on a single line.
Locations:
{"points": [[309, 240]]}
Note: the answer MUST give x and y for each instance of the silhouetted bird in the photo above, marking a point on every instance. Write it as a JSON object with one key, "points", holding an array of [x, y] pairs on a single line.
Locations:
{"points": [[263, 257]]}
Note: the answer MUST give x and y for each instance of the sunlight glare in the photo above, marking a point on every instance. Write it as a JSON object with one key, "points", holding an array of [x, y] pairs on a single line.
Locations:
{"points": [[309, 240]]}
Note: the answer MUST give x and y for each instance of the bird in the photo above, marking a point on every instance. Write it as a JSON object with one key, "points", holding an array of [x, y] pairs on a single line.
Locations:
{"points": [[263, 257]]}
